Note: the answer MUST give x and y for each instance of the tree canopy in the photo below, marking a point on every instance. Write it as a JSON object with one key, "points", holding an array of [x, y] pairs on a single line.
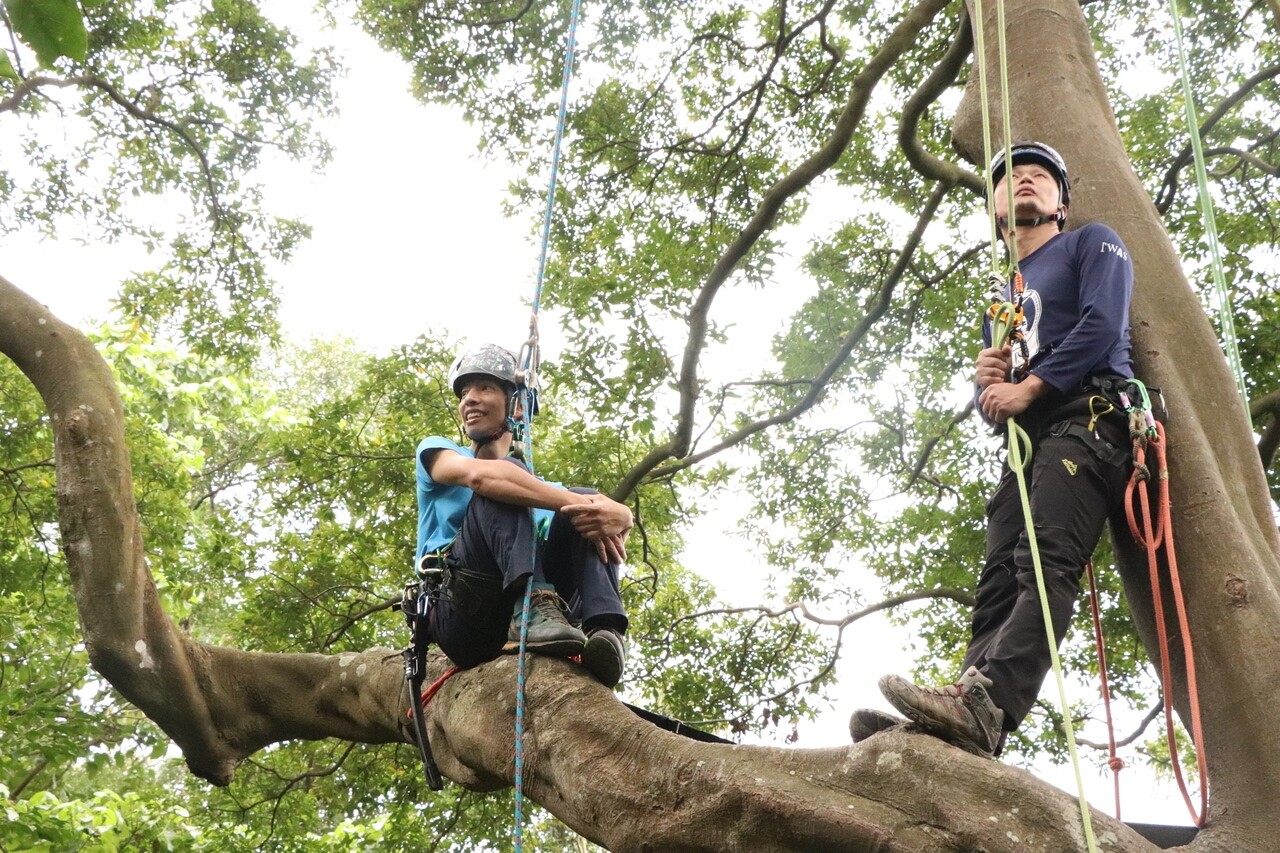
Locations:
{"points": [[710, 147]]}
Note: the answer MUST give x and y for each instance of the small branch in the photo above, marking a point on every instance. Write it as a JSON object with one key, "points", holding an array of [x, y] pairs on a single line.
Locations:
{"points": [[1137, 733], [818, 384], [800, 608], [28, 778], [926, 451], [897, 43], [1169, 187]]}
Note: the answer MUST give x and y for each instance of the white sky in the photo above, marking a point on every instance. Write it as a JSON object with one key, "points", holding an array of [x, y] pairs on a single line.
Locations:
{"points": [[408, 236]]}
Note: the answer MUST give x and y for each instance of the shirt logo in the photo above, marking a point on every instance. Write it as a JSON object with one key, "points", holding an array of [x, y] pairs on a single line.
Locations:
{"points": [[1114, 249], [1071, 467]]}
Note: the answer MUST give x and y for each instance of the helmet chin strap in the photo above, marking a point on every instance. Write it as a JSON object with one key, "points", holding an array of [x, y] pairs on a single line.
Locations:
{"points": [[1058, 215]]}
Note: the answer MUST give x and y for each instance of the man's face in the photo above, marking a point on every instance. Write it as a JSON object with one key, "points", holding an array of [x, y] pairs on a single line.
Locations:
{"points": [[1035, 192], [483, 406]]}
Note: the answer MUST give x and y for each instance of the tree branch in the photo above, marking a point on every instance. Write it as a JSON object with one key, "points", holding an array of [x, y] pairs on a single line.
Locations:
{"points": [[817, 385], [898, 42], [1169, 187]]}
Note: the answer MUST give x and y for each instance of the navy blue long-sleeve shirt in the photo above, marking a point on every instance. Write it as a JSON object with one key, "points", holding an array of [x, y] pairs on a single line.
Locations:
{"points": [[1076, 308]]}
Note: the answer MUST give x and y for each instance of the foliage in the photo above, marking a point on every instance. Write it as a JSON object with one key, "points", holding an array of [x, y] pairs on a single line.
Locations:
{"points": [[165, 101], [277, 495]]}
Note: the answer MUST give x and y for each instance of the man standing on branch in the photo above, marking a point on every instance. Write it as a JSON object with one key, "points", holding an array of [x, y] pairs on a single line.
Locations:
{"points": [[490, 523], [1061, 387]]}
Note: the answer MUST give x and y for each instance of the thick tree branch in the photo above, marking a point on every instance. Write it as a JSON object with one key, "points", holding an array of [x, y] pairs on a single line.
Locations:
{"points": [[942, 77]]}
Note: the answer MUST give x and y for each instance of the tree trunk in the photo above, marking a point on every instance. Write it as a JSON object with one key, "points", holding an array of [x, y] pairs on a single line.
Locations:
{"points": [[1227, 544]]}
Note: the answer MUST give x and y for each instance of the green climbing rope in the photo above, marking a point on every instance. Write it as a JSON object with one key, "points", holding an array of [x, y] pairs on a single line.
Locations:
{"points": [[1225, 321], [1003, 323]]}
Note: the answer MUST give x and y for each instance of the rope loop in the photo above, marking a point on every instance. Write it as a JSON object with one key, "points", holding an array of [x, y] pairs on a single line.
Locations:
{"points": [[1151, 534]]}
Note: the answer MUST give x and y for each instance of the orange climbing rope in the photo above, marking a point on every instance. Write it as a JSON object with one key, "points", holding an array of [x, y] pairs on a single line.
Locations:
{"points": [[1151, 536], [1115, 762]]}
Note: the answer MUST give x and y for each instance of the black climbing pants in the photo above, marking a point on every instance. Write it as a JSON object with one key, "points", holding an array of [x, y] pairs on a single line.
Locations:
{"points": [[497, 550], [1076, 483]]}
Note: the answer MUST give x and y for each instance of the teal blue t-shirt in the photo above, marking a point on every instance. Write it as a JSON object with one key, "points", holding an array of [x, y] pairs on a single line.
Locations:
{"points": [[441, 507]]}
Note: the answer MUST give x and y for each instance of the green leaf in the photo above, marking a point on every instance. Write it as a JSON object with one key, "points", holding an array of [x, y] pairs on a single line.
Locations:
{"points": [[52, 28], [6, 67]]}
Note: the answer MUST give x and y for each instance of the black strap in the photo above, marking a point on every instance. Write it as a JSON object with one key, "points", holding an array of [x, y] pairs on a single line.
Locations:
{"points": [[416, 602], [1103, 449]]}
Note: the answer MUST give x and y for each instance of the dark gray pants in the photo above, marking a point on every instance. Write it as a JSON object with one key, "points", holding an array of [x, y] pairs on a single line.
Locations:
{"points": [[1073, 491], [498, 551]]}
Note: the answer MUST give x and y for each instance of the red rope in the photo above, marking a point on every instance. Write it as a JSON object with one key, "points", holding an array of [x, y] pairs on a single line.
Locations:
{"points": [[1151, 537], [1113, 761], [434, 687]]}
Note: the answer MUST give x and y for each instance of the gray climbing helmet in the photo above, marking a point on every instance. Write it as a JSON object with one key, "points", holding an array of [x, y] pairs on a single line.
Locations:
{"points": [[485, 360], [1035, 152]]}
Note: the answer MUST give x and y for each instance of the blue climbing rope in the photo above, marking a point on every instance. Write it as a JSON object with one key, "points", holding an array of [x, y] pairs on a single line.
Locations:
{"points": [[529, 362]]}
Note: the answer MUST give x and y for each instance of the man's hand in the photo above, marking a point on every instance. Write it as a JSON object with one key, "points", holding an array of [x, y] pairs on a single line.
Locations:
{"points": [[1004, 400], [993, 366], [605, 522]]}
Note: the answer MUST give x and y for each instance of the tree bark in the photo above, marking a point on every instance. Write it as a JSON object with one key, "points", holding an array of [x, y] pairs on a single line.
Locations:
{"points": [[1227, 543]]}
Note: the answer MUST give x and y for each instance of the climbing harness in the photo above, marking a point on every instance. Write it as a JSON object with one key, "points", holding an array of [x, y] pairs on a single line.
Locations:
{"points": [[416, 605]]}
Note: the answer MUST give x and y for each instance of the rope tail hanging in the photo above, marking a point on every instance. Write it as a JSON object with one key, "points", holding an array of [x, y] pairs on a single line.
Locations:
{"points": [[1152, 535], [1006, 321], [528, 362]]}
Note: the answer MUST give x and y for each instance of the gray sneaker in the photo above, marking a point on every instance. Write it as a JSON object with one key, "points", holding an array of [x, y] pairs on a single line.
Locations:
{"points": [[865, 722], [549, 631], [961, 713], [605, 656]]}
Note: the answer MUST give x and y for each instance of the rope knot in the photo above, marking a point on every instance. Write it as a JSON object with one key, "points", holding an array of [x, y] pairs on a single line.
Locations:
{"points": [[1116, 764]]}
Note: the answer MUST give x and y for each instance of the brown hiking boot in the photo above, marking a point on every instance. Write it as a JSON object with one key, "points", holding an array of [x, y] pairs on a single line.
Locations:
{"points": [[549, 631], [865, 722], [961, 713]]}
